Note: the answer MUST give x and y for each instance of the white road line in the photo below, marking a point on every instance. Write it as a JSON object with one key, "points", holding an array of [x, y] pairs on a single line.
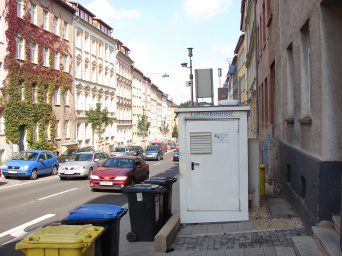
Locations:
{"points": [[156, 163], [19, 184], [23, 226], [57, 194]]}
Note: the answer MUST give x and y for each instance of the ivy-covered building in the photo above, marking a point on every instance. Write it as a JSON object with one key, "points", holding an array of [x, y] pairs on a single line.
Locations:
{"points": [[37, 108]]}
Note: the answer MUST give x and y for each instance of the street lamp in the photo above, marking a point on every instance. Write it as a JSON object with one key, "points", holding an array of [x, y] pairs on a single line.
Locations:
{"points": [[185, 65]]}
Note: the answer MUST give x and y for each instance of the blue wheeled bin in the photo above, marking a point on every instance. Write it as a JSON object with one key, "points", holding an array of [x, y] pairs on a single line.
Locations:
{"points": [[145, 204], [107, 216], [167, 183]]}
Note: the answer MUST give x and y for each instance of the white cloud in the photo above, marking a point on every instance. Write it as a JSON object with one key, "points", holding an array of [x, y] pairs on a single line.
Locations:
{"points": [[204, 9], [104, 10]]}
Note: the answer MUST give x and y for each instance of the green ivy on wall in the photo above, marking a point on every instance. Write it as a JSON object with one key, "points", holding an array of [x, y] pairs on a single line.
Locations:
{"points": [[24, 78]]}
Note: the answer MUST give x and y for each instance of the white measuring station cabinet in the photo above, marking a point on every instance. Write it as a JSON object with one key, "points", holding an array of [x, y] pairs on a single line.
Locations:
{"points": [[213, 164]]}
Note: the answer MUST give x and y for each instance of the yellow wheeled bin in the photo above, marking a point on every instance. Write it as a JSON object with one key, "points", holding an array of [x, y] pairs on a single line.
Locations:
{"points": [[61, 240]]}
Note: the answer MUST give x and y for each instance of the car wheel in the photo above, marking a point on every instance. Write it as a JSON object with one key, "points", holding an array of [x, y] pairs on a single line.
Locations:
{"points": [[7, 177], [63, 178], [54, 170], [147, 176], [158, 158], [90, 173], [33, 175], [131, 237]]}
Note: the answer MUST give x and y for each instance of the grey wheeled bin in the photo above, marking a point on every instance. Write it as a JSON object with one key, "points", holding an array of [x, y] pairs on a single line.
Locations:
{"points": [[145, 206], [107, 216], [167, 183]]}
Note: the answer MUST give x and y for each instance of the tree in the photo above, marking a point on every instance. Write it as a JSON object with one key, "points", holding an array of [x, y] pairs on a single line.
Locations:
{"points": [[175, 132], [99, 120], [143, 126], [164, 129], [186, 104]]}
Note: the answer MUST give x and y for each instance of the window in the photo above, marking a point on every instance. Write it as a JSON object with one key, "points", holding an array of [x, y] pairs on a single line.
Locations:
{"points": [[56, 97], [55, 60], [93, 46], [34, 94], [47, 127], [33, 50], [65, 30], [21, 92], [45, 57], [57, 129], [33, 13], [305, 71], [2, 123], [66, 97], [55, 25], [65, 63], [66, 128], [19, 9], [45, 19], [100, 50], [35, 131], [1, 29], [19, 46]]}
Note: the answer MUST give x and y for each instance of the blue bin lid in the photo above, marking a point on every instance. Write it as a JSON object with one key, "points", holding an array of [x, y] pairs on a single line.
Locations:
{"points": [[96, 211]]}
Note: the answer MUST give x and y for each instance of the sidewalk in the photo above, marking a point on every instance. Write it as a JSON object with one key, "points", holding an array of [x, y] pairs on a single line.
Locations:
{"points": [[217, 239]]}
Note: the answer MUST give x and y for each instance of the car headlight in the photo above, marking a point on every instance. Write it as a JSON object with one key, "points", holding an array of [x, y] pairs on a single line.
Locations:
{"points": [[121, 178], [4, 166], [61, 167], [94, 177], [80, 168]]}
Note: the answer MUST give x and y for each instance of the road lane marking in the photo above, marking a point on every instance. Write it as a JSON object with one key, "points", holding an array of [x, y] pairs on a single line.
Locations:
{"points": [[23, 226], [57, 194], [19, 184], [156, 163]]}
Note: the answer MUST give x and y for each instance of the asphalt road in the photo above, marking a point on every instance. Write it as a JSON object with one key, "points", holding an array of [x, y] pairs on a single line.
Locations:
{"points": [[26, 206]]}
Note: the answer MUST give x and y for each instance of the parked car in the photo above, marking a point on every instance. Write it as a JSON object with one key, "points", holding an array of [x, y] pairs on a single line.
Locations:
{"points": [[153, 153], [69, 152], [176, 155], [118, 172], [171, 145], [122, 151], [82, 165], [162, 145], [30, 163], [138, 150]]}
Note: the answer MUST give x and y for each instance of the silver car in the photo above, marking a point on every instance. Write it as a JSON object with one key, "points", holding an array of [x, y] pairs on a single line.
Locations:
{"points": [[122, 151], [82, 165]]}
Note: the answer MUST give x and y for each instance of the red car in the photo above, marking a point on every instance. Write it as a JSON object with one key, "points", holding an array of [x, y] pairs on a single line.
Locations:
{"points": [[118, 172]]}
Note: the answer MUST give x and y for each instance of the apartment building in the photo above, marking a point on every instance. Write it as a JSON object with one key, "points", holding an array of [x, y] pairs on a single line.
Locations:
{"points": [[38, 106], [138, 103], [94, 76], [124, 95], [5, 149]]}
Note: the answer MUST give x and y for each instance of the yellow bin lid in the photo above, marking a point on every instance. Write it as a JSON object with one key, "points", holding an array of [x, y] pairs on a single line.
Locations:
{"points": [[61, 236]]}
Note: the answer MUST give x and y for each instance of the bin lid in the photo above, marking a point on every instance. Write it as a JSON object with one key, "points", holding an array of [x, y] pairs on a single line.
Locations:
{"points": [[96, 211], [61, 236], [161, 180], [143, 188]]}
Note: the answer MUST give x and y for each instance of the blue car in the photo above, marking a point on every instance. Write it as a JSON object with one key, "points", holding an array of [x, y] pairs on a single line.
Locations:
{"points": [[30, 163]]}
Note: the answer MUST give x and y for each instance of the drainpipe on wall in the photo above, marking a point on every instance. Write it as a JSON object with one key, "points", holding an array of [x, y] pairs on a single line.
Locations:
{"points": [[256, 72], [73, 74]]}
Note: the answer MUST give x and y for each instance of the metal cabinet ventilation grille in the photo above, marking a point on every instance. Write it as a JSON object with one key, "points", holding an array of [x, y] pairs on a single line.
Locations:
{"points": [[200, 143]]}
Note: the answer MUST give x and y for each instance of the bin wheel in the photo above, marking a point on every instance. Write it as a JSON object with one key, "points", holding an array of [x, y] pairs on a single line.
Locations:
{"points": [[131, 237]]}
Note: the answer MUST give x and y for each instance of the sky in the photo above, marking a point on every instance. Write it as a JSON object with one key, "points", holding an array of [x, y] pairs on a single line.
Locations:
{"points": [[158, 33]]}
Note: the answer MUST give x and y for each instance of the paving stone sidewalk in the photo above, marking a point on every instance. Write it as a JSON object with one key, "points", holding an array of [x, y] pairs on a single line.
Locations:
{"points": [[238, 240]]}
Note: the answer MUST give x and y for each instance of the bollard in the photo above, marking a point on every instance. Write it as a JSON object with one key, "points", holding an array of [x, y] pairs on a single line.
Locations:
{"points": [[262, 179]]}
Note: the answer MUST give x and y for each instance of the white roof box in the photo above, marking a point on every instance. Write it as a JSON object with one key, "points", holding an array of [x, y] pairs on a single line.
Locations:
{"points": [[228, 102]]}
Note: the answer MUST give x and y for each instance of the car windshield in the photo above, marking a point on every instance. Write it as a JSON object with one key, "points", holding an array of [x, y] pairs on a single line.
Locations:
{"points": [[119, 150], [119, 162], [68, 152], [152, 148], [82, 157], [27, 156]]}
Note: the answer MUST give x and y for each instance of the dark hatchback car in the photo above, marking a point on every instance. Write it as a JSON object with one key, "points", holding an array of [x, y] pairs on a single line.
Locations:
{"points": [[154, 152], [138, 150], [118, 172], [176, 155], [65, 156]]}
